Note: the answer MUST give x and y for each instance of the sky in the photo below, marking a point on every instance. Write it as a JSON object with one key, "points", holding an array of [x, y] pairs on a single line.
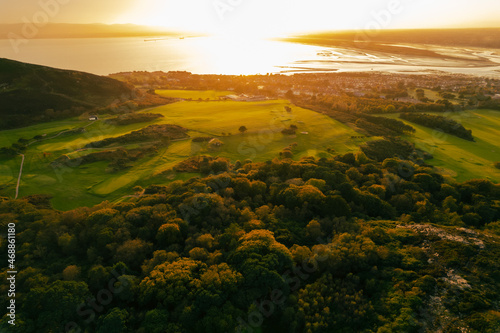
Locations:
{"points": [[260, 17]]}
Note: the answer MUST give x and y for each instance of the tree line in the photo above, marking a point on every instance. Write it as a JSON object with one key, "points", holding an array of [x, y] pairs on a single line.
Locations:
{"points": [[446, 125]]}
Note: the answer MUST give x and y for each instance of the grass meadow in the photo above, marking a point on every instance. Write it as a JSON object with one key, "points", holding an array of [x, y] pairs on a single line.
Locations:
{"points": [[462, 159], [194, 94], [89, 184]]}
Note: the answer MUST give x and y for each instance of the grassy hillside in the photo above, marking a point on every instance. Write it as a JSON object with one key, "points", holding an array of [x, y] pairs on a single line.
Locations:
{"points": [[194, 94], [460, 158], [91, 183], [316, 135], [28, 91]]}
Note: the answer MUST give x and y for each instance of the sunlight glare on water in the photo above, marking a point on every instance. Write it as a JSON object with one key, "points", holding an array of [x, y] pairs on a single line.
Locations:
{"points": [[243, 56], [201, 55], [230, 55]]}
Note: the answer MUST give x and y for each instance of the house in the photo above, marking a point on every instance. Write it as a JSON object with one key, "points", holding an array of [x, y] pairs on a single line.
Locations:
{"points": [[93, 118], [246, 98]]}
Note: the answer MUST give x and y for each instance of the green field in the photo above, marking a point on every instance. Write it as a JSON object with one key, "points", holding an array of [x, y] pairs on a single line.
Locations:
{"points": [[89, 184], [194, 94], [8, 137], [460, 158]]}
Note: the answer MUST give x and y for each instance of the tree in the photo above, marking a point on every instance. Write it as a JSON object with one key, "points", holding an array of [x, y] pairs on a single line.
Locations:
{"points": [[390, 109], [172, 284], [286, 153], [97, 278], [156, 321], [450, 204], [113, 322], [310, 194], [313, 230], [168, 234], [71, 273], [198, 253], [132, 252], [288, 131], [336, 205], [344, 306], [261, 260], [242, 129], [206, 241], [67, 243], [53, 306]]}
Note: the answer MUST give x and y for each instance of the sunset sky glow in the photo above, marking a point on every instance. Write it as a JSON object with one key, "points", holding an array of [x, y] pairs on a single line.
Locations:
{"points": [[264, 17]]}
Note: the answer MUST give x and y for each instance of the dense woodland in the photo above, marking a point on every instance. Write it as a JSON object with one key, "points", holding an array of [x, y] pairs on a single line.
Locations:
{"points": [[440, 123], [345, 244]]}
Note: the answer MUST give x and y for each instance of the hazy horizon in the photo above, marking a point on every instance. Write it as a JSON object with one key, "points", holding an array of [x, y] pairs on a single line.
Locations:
{"points": [[84, 30], [259, 18]]}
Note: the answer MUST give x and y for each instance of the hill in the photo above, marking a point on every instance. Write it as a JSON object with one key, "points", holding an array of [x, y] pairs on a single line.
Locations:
{"points": [[67, 30], [33, 93], [417, 44], [487, 37]]}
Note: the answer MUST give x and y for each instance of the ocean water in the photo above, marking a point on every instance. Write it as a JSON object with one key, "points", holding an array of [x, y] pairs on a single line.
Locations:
{"points": [[212, 55]]}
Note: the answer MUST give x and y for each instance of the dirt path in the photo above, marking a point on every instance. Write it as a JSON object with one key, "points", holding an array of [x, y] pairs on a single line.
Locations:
{"points": [[19, 178], [29, 144], [55, 136]]}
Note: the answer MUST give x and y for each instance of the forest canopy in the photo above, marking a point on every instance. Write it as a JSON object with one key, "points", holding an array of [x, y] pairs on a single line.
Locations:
{"points": [[283, 246]]}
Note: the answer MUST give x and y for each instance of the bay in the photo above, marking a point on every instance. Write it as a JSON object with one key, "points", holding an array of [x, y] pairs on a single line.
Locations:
{"points": [[217, 55]]}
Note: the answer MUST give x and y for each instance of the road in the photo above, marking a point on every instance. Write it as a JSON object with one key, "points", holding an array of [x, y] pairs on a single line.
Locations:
{"points": [[19, 178]]}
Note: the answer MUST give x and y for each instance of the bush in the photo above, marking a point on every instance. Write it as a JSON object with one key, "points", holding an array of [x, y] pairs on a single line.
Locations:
{"points": [[386, 148], [288, 131]]}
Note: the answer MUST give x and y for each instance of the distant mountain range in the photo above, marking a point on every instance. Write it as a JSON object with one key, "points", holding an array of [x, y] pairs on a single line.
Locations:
{"points": [[32, 93], [66, 30], [478, 37]]}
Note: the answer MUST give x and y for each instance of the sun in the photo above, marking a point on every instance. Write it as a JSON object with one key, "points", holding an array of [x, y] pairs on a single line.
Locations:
{"points": [[229, 19]]}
